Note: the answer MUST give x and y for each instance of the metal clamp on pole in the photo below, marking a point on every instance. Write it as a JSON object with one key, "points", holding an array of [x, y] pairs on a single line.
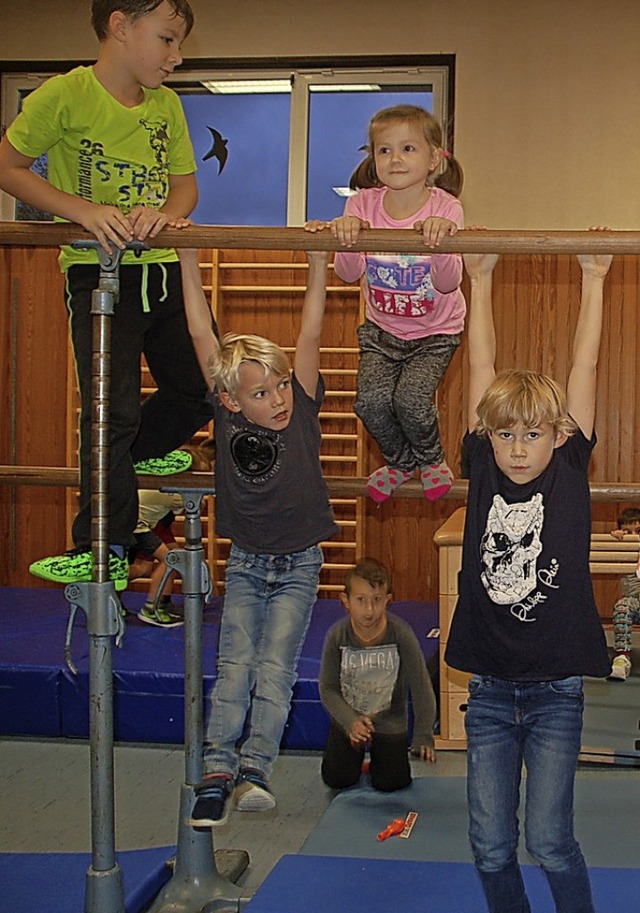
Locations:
{"points": [[198, 884]]}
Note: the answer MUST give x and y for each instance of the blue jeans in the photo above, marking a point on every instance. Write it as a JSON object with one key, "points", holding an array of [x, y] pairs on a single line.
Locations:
{"points": [[267, 609], [538, 724]]}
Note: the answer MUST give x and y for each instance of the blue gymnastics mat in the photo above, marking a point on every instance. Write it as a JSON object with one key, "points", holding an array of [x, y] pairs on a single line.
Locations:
{"points": [[343, 866], [327, 884], [606, 821], [41, 697], [55, 882]]}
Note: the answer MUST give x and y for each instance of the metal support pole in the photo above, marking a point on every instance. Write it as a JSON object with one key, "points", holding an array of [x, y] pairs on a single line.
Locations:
{"points": [[196, 885], [103, 887]]}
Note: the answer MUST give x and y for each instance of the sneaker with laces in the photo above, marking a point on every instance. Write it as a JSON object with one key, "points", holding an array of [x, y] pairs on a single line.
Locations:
{"points": [[253, 793], [620, 668], [76, 566], [174, 611], [211, 808], [157, 615], [176, 461]]}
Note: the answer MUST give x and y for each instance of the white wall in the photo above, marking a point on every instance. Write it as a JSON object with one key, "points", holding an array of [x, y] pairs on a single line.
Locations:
{"points": [[546, 124]]}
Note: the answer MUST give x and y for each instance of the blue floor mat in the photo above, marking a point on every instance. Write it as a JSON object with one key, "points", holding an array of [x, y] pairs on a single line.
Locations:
{"points": [[329, 884], [55, 882], [606, 822]]}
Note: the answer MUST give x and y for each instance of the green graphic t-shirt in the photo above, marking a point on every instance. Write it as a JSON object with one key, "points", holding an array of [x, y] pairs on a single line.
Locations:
{"points": [[102, 151]]}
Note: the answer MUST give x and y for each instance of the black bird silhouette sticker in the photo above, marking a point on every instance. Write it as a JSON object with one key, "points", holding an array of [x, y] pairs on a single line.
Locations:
{"points": [[218, 149]]}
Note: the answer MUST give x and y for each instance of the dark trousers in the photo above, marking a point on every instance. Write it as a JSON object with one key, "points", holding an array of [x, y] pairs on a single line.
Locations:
{"points": [[397, 382], [148, 319], [389, 768]]}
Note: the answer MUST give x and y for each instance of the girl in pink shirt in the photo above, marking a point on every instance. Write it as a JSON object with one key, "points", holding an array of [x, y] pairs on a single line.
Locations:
{"points": [[414, 307]]}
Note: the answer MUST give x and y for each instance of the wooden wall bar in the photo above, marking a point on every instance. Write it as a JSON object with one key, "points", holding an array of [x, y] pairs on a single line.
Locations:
{"points": [[536, 300]]}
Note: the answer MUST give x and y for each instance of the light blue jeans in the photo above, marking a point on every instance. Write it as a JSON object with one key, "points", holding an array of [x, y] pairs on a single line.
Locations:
{"points": [[267, 609], [538, 724]]}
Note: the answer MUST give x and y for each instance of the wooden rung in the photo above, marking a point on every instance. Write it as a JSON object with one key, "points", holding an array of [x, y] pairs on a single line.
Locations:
{"points": [[342, 372], [610, 545], [612, 568], [602, 557], [268, 289], [327, 350], [297, 264]]}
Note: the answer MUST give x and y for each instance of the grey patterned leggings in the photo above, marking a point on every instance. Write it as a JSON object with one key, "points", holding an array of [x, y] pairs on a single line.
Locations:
{"points": [[626, 612], [397, 381]]}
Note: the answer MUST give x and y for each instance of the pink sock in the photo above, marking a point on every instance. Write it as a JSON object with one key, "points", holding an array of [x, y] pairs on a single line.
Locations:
{"points": [[436, 480], [382, 483]]}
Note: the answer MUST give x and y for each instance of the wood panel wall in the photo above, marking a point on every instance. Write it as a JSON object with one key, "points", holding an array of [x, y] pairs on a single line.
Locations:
{"points": [[536, 299], [33, 415]]}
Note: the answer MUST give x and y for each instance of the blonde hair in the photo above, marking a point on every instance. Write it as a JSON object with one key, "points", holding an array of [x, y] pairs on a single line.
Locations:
{"points": [[235, 349], [448, 176], [526, 397]]}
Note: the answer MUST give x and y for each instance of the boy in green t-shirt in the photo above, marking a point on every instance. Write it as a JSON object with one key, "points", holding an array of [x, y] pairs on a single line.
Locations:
{"points": [[120, 162]]}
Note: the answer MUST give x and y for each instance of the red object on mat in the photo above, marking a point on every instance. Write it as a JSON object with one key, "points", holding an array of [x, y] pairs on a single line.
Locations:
{"points": [[392, 830]]}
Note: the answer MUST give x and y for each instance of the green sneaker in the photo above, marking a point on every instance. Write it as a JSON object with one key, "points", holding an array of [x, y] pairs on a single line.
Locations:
{"points": [[76, 566], [176, 461], [173, 611], [158, 617]]}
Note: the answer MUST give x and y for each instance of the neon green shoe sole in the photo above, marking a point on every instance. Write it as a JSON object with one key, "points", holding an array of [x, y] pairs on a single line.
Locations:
{"points": [[77, 567], [176, 461]]}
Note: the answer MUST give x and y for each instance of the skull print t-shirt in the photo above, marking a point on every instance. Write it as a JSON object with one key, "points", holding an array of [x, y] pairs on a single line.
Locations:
{"points": [[526, 610]]}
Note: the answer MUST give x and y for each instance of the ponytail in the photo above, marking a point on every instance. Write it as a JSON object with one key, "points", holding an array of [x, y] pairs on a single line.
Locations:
{"points": [[365, 175], [451, 178]]}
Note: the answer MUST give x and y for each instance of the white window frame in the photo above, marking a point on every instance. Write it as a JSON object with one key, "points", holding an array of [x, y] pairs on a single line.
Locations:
{"points": [[303, 82]]}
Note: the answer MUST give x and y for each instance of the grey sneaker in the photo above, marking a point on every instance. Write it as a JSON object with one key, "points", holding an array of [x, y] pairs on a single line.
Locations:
{"points": [[252, 792]]}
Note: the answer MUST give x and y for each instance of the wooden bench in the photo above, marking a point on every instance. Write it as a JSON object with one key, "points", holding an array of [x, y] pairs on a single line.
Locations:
{"points": [[607, 556]]}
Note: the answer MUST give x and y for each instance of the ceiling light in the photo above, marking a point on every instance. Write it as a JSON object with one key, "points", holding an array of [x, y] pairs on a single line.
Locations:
{"points": [[247, 86]]}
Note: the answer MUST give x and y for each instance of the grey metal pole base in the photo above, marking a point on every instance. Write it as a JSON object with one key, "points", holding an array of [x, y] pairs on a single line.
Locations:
{"points": [[196, 884], [103, 890]]}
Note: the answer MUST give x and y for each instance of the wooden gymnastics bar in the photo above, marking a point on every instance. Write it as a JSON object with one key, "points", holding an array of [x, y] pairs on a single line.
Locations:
{"points": [[52, 234], [339, 486]]}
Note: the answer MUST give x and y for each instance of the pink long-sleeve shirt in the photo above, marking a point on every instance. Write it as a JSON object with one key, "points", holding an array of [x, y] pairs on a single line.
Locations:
{"points": [[408, 295]]}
